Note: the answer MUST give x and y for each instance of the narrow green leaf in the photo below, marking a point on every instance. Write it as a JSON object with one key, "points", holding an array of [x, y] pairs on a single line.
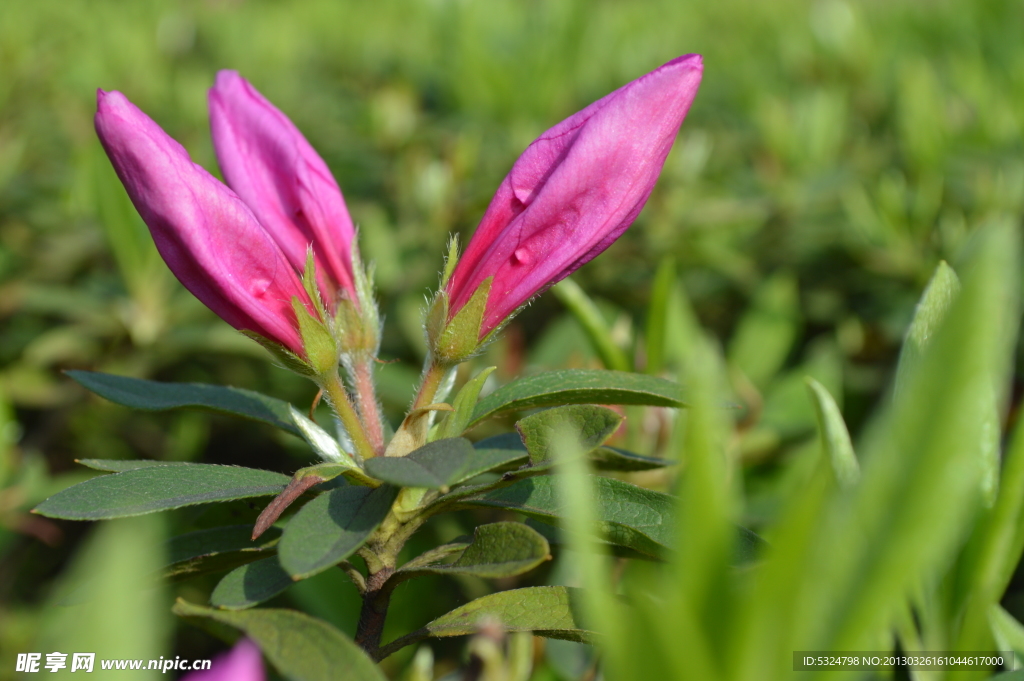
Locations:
{"points": [[1007, 631], [330, 528], [159, 488], [325, 446], [590, 318], [550, 611], [938, 297], [503, 549], [591, 425], [579, 386], [120, 465], [835, 439], [302, 648], [251, 584], [216, 550], [457, 422], [156, 396]]}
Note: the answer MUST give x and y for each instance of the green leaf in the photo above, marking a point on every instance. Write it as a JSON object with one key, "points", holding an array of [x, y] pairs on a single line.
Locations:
{"points": [[159, 488], [120, 465], [550, 611], [615, 459], [438, 465], [504, 450], [325, 446], [579, 386], [938, 297], [835, 439], [156, 396], [630, 516], [457, 422], [302, 648], [590, 424], [251, 584], [503, 549], [216, 550], [590, 318], [331, 527]]}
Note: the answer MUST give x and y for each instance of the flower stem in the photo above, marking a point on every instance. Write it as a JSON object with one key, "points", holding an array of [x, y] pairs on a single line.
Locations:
{"points": [[433, 374], [336, 395], [366, 400]]}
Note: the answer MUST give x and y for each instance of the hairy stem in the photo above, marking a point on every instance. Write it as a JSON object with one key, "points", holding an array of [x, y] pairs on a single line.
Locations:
{"points": [[366, 399], [342, 406], [433, 374]]}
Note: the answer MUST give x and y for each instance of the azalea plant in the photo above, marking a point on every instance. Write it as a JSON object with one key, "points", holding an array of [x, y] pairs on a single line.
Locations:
{"points": [[274, 252]]}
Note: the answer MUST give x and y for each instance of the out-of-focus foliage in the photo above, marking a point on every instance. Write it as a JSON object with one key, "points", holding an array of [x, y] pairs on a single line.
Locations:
{"points": [[837, 151]]}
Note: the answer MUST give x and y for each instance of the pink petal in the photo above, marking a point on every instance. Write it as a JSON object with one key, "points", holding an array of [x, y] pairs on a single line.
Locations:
{"points": [[575, 190], [205, 233], [271, 166]]}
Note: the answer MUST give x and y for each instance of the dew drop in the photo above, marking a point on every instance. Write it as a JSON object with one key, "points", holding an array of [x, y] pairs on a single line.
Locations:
{"points": [[521, 256]]}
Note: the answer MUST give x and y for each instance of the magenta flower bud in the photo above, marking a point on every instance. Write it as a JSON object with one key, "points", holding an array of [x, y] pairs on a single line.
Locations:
{"points": [[206, 234], [241, 663], [574, 191], [267, 162]]}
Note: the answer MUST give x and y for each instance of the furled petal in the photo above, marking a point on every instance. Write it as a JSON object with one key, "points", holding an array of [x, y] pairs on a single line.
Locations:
{"points": [[241, 663], [267, 162], [205, 233], [574, 191]]}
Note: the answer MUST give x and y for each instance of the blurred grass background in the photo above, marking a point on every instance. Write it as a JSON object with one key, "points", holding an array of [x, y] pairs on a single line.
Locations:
{"points": [[836, 152]]}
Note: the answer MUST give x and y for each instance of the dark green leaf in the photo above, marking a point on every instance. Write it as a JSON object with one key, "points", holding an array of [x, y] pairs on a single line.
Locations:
{"points": [[302, 648], [631, 516], [551, 611], [156, 396], [615, 459], [159, 488], [503, 549], [439, 464], [251, 584], [331, 527], [556, 537], [579, 386], [591, 425], [216, 550]]}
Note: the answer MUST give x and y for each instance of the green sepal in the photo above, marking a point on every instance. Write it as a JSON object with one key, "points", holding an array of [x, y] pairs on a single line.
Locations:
{"points": [[450, 260], [310, 284], [317, 340], [358, 321], [460, 337], [288, 359]]}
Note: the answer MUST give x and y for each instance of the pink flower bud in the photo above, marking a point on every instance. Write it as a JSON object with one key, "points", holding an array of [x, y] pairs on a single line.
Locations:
{"points": [[206, 234], [241, 663], [574, 191], [267, 162]]}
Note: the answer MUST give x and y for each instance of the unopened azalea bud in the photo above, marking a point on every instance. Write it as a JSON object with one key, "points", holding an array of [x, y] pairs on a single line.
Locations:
{"points": [[271, 166], [205, 233], [572, 193]]}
